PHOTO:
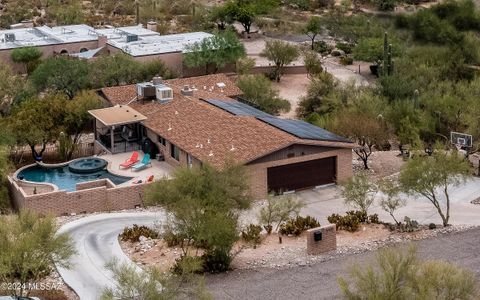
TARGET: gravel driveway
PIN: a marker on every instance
(319, 281)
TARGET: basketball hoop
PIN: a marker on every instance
(461, 140)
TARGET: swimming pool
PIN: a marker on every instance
(64, 178)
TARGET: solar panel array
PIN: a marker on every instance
(297, 128)
(238, 108)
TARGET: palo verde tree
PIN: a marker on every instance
(258, 90)
(204, 203)
(402, 275)
(390, 200)
(312, 28)
(29, 249)
(28, 56)
(434, 175)
(359, 191)
(152, 283)
(280, 53)
(278, 210)
(219, 50)
(10, 86)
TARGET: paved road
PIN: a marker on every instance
(96, 241)
(319, 281)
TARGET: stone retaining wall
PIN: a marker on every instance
(93, 196)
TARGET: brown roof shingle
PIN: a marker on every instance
(208, 133)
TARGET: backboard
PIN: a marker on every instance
(461, 139)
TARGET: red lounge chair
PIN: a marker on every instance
(150, 179)
(131, 161)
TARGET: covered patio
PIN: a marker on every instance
(118, 129)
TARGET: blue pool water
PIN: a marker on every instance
(64, 179)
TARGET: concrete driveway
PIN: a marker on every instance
(322, 202)
(96, 241)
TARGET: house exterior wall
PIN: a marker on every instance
(258, 171)
(51, 50)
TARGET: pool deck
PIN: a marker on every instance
(159, 169)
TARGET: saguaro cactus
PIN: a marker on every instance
(387, 63)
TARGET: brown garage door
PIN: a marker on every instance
(301, 175)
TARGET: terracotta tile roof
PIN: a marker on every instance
(209, 82)
(127, 93)
(208, 133)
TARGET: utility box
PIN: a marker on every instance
(321, 239)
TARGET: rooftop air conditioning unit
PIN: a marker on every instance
(145, 90)
(132, 38)
(164, 93)
(9, 37)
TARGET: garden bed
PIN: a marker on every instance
(292, 252)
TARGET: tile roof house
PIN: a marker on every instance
(202, 123)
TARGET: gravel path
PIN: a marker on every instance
(319, 281)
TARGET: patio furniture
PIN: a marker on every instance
(143, 164)
(131, 161)
(150, 178)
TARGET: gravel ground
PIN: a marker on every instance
(318, 280)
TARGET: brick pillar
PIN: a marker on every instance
(326, 239)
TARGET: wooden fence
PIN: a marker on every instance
(23, 155)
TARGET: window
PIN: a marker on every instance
(175, 152)
(161, 140)
(189, 161)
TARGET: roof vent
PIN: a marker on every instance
(9, 37)
(164, 93)
(132, 38)
(186, 91)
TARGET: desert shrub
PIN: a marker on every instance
(251, 234)
(134, 233)
(346, 60)
(374, 219)
(171, 238)
(386, 5)
(296, 226)
(409, 225)
(349, 222)
(185, 261)
(322, 47)
(216, 261)
(432, 226)
(360, 215)
(346, 47)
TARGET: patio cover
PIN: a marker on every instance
(117, 115)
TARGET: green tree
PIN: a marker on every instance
(221, 15)
(313, 64)
(401, 275)
(204, 203)
(29, 248)
(312, 28)
(258, 90)
(278, 210)
(390, 201)
(218, 50)
(10, 86)
(245, 65)
(28, 56)
(280, 53)
(77, 118)
(359, 191)
(62, 74)
(431, 176)
(314, 101)
(243, 11)
(37, 122)
(154, 284)
(5, 167)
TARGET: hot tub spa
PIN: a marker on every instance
(87, 165)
